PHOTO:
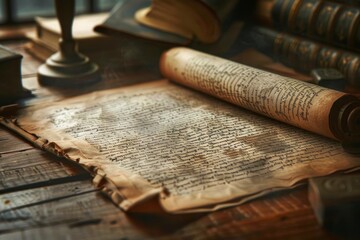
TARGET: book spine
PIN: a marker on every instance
(302, 54)
(326, 21)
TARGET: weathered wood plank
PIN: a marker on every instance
(90, 230)
(84, 207)
(279, 216)
(9, 142)
(33, 196)
(32, 168)
(242, 222)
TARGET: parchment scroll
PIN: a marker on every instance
(305, 105)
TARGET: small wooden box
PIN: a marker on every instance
(336, 202)
(11, 87)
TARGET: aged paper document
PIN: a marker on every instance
(191, 151)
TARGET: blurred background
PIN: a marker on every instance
(20, 11)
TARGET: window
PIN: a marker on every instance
(19, 11)
(2, 11)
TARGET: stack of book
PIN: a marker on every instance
(309, 34)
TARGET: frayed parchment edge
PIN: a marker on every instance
(100, 178)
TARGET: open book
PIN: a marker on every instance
(203, 20)
(193, 152)
(210, 25)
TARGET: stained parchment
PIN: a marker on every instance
(192, 151)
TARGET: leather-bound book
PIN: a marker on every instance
(334, 23)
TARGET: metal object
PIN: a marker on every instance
(329, 77)
(67, 68)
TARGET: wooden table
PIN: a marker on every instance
(44, 197)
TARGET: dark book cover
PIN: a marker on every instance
(332, 22)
